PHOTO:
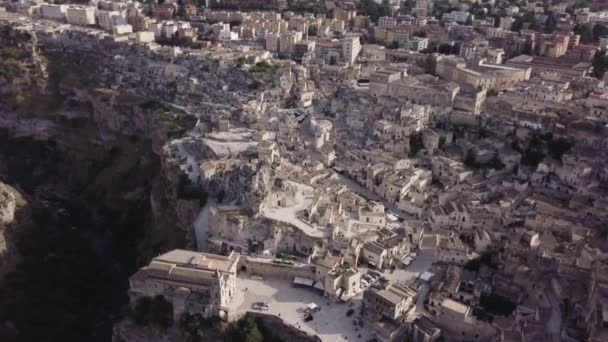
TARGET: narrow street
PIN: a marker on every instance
(554, 324)
(201, 225)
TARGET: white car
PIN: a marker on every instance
(260, 306)
(406, 261)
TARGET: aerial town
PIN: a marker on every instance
(403, 170)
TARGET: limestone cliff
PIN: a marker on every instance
(85, 130)
(7, 205)
(104, 198)
(10, 201)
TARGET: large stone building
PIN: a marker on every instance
(391, 303)
(565, 67)
(193, 282)
(81, 15)
(484, 76)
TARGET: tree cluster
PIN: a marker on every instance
(308, 6)
(244, 330)
(374, 9)
(156, 311)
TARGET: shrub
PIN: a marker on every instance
(416, 144)
(497, 305)
(193, 327)
(155, 311)
(190, 191)
(264, 67)
(244, 330)
(486, 258)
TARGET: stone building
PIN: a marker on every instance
(81, 15)
(193, 282)
(391, 303)
(484, 76)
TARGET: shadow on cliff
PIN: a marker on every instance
(79, 238)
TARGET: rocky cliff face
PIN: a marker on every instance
(7, 205)
(10, 201)
(86, 125)
(104, 197)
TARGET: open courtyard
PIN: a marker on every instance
(289, 303)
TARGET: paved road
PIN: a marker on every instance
(201, 225)
(423, 291)
(554, 324)
(422, 263)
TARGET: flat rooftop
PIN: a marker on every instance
(203, 261)
(455, 306)
(396, 293)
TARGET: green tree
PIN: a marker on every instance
(161, 312)
(550, 24)
(517, 25)
(600, 64)
(188, 190)
(429, 65)
(558, 147)
(446, 49)
(235, 22)
(599, 31)
(244, 330)
(586, 32)
(193, 327)
(140, 311)
(416, 144)
(312, 30)
(373, 9)
(155, 311)
(393, 45)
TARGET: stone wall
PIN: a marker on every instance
(267, 268)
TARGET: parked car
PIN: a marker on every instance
(260, 306)
(350, 312)
(308, 318)
(374, 274)
(312, 308)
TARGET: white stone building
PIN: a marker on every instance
(193, 282)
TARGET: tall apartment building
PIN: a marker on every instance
(422, 8)
(271, 41)
(387, 22)
(506, 23)
(53, 12)
(81, 15)
(553, 46)
(456, 16)
(301, 48)
(287, 40)
(351, 47)
(346, 15)
(108, 19)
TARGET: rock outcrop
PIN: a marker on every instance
(7, 205)
(84, 127)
